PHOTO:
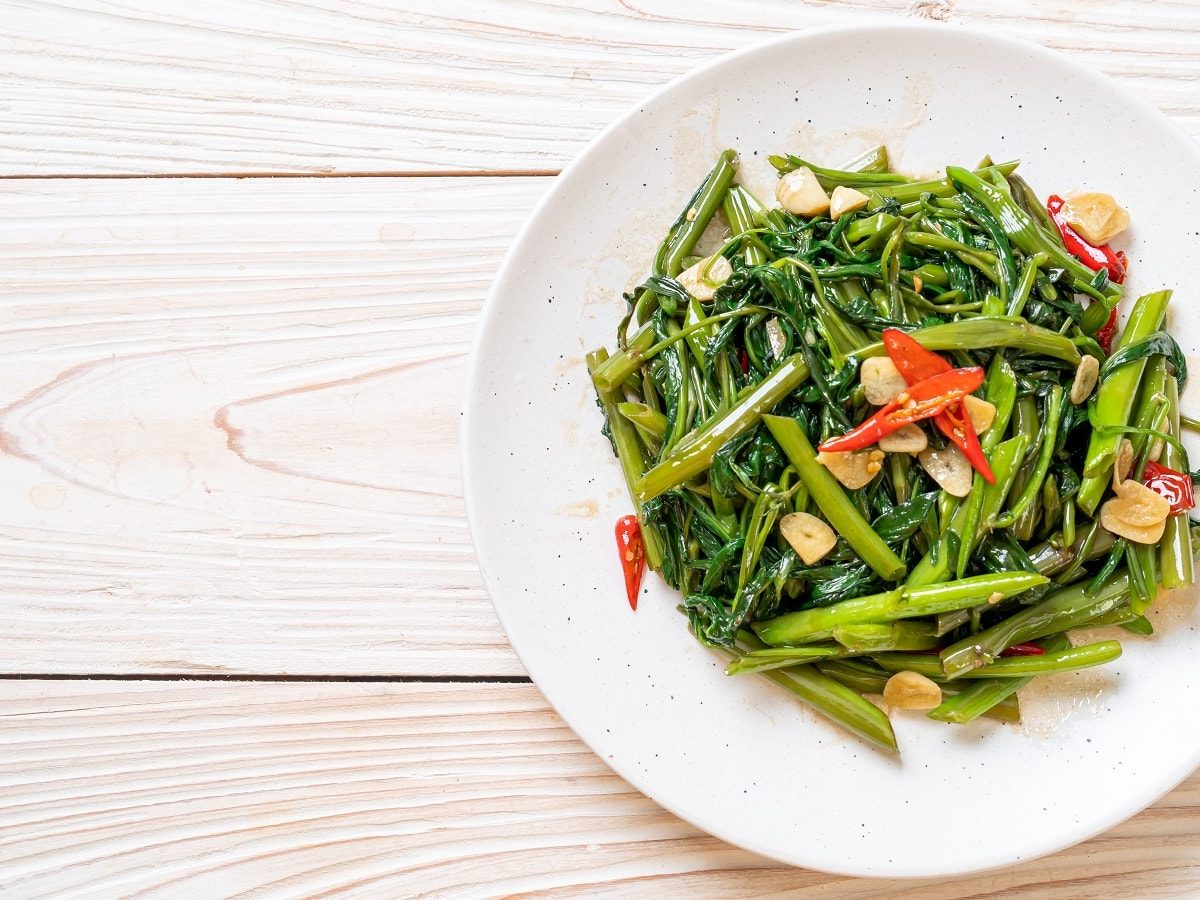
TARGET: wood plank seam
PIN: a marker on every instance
(268, 678)
(382, 173)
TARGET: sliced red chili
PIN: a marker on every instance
(1023, 650)
(1175, 487)
(1104, 337)
(633, 556)
(1093, 256)
(921, 401)
(915, 363)
(745, 360)
(955, 424)
(911, 358)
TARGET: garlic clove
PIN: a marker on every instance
(1140, 505)
(911, 690)
(881, 380)
(1096, 216)
(800, 193)
(811, 538)
(1122, 464)
(1087, 373)
(950, 469)
(982, 413)
(909, 439)
(853, 468)
(846, 200)
(703, 279)
(1140, 534)
(776, 338)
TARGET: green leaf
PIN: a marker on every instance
(1158, 343)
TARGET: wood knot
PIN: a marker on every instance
(937, 10)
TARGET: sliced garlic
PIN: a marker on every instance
(911, 690)
(801, 194)
(703, 279)
(853, 468)
(981, 413)
(1139, 534)
(909, 439)
(1137, 513)
(846, 200)
(881, 380)
(949, 468)
(1086, 375)
(776, 338)
(811, 538)
(1122, 464)
(1096, 216)
(1140, 505)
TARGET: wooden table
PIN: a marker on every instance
(245, 643)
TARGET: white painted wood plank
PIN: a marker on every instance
(205, 789)
(229, 412)
(356, 86)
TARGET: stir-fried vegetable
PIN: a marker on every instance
(879, 440)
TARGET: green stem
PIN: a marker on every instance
(1114, 400)
(819, 623)
(1049, 663)
(824, 489)
(629, 454)
(1176, 552)
(696, 453)
(1064, 609)
(981, 697)
(831, 699)
(1029, 275)
(1049, 436)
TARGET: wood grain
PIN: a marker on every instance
(229, 413)
(337, 86)
(202, 790)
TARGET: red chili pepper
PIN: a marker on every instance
(1175, 487)
(633, 556)
(921, 401)
(917, 363)
(955, 424)
(745, 363)
(1108, 331)
(1023, 650)
(1092, 256)
(911, 358)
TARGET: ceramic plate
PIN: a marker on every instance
(737, 757)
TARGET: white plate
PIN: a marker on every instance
(737, 757)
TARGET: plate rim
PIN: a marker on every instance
(872, 25)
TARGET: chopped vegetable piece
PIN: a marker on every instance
(1026, 649)
(1095, 216)
(633, 556)
(910, 690)
(846, 200)
(811, 538)
(949, 468)
(881, 380)
(1174, 487)
(702, 279)
(910, 439)
(980, 412)
(801, 194)
(1087, 373)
